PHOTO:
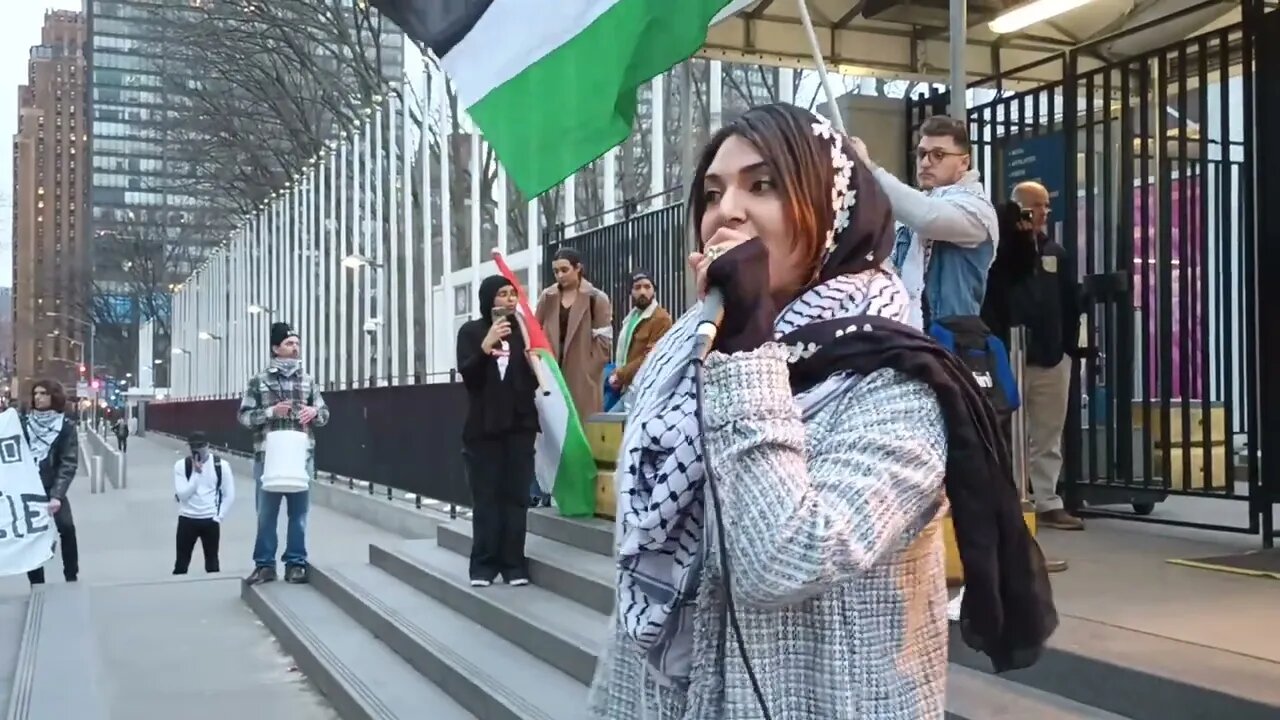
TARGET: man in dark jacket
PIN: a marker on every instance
(56, 448)
(1032, 285)
(498, 434)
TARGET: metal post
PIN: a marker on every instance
(833, 107)
(95, 475)
(1018, 429)
(959, 43)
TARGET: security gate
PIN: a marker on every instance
(1158, 213)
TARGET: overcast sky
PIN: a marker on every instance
(19, 31)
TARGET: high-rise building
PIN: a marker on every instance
(152, 220)
(50, 257)
(6, 340)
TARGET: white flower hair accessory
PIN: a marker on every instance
(843, 195)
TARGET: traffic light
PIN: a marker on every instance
(96, 384)
(82, 368)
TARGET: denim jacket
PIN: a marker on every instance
(957, 229)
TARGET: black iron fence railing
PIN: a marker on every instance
(653, 241)
(1150, 165)
(406, 437)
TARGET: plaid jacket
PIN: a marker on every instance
(270, 387)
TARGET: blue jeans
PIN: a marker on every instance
(268, 503)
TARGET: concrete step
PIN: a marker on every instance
(361, 677)
(1096, 666)
(488, 675)
(973, 695)
(13, 618)
(556, 630)
(580, 575)
(1142, 676)
(570, 636)
(57, 652)
(591, 534)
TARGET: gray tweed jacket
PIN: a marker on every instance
(834, 542)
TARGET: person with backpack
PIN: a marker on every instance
(122, 433)
(205, 490)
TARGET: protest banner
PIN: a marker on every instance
(26, 530)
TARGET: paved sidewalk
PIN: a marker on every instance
(186, 647)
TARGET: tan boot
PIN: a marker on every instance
(1059, 520)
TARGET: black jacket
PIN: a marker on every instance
(59, 468)
(496, 405)
(1033, 284)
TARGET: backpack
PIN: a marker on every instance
(217, 470)
(969, 339)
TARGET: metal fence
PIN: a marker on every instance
(654, 241)
(1156, 215)
(406, 437)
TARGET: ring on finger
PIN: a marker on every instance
(714, 252)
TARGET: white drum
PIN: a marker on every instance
(284, 465)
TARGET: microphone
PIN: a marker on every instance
(709, 319)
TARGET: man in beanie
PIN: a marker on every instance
(642, 328)
(282, 397)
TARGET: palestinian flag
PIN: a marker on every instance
(552, 83)
(562, 458)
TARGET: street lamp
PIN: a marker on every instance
(84, 323)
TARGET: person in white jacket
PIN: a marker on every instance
(205, 489)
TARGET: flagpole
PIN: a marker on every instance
(818, 60)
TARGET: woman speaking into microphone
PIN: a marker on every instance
(779, 543)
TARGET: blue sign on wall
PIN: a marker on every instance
(1039, 159)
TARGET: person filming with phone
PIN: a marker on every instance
(498, 433)
(1032, 285)
(205, 489)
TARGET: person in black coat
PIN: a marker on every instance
(56, 448)
(498, 434)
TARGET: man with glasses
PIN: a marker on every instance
(947, 229)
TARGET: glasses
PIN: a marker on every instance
(936, 155)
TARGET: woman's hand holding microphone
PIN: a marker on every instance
(738, 266)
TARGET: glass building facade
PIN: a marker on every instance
(151, 226)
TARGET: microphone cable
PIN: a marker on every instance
(731, 609)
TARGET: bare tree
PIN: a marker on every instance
(133, 284)
(260, 88)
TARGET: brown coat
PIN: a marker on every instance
(585, 353)
(646, 335)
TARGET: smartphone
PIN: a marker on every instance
(1027, 216)
(500, 313)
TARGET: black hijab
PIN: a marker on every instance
(507, 400)
(1007, 612)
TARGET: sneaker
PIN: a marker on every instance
(953, 607)
(480, 582)
(1059, 520)
(261, 575)
(515, 579)
(296, 574)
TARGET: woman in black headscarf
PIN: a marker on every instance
(781, 555)
(498, 434)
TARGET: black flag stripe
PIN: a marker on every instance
(437, 24)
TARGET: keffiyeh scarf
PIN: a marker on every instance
(43, 428)
(660, 478)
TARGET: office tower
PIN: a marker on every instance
(158, 208)
(50, 281)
